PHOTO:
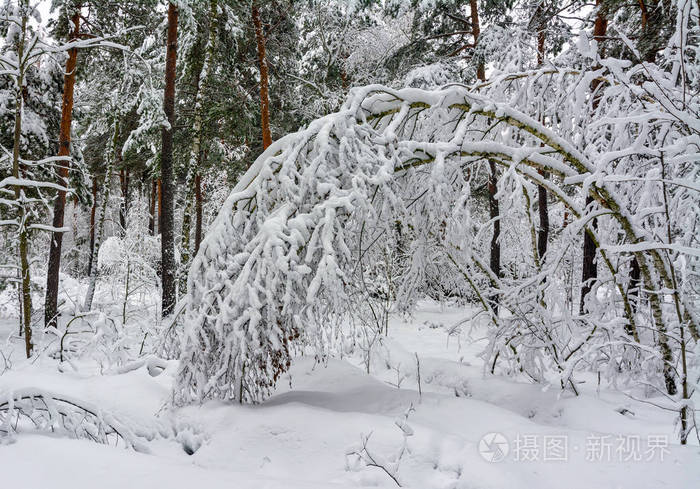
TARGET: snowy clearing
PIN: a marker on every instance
(304, 434)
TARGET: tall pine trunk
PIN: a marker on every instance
(264, 80)
(54, 266)
(168, 265)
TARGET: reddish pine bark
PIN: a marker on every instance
(52, 275)
(264, 80)
(645, 13)
(600, 28)
(476, 32)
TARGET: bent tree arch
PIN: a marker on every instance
(301, 238)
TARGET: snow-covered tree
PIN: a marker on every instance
(297, 240)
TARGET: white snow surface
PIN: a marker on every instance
(301, 437)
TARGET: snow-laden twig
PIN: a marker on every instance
(47, 411)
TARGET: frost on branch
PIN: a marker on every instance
(374, 202)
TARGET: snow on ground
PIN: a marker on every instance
(304, 436)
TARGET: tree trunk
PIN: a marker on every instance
(495, 258)
(26, 297)
(52, 275)
(124, 185)
(195, 161)
(645, 13)
(192, 168)
(262, 60)
(159, 186)
(198, 212)
(93, 210)
(152, 208)
(168, 265)
(635, 281)
(589, 271)
(476, 32)
(543, 231)
(600, 27)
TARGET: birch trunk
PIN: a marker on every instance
(23, 247)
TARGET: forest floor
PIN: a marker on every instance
(308, 433)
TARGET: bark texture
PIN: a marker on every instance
(264, 81)
(168, 265)
(54, 266)
(198, 212)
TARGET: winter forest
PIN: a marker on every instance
(435, 244)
